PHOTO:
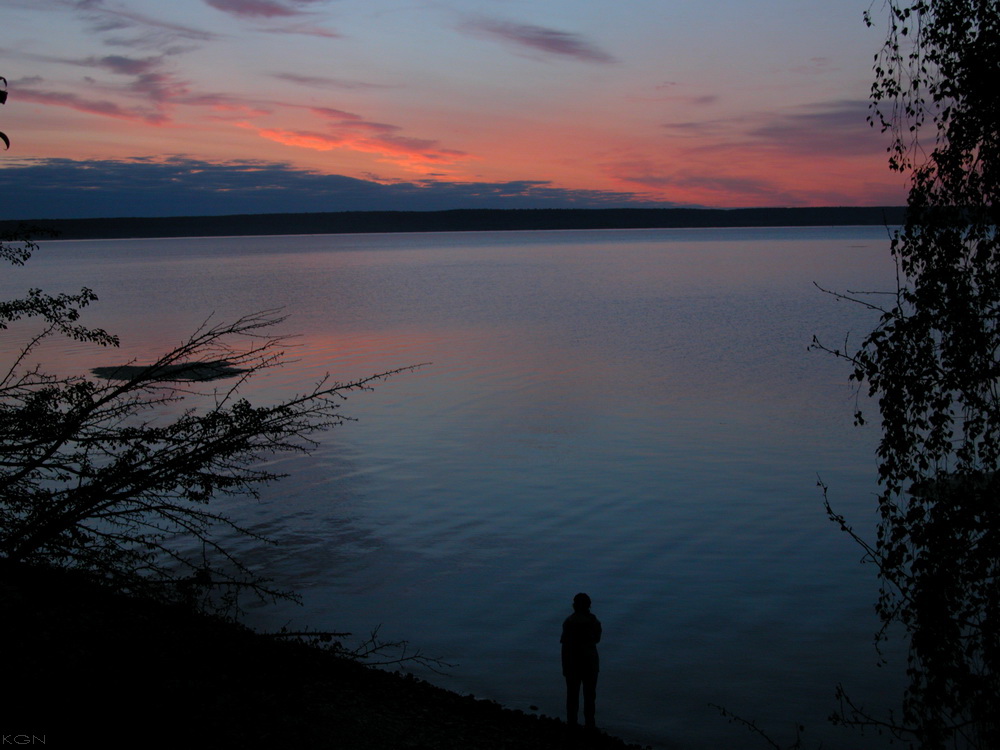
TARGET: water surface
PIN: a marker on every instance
(633, 414)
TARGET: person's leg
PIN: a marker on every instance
(589, 699)
(572, 699)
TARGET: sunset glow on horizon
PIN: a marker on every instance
(212, 106)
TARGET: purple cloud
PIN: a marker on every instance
(336, 114)
(159, 87)
(325, 82)
(715, 183)
(831, 128)
(699, 128)
(260, 8)
(835, 128)
(149, 80)
(252, 8)
(342, 119)
(91, 106)
(305, 30)
(124, 65)
(539, 38)
(153, 33)
(705, 100)
(813, 66)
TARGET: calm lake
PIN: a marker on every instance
(633, 414)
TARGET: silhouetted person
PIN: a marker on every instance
(581, 632)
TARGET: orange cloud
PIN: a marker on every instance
(416, 154)
(301, 139)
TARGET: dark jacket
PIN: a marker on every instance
(581, 632)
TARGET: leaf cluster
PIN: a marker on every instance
(3, 100)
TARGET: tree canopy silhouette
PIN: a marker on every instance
(931, 365)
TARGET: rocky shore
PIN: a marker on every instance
(85, 665)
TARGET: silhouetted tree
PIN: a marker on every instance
(111, 475)
(932, 364)
(95, 473)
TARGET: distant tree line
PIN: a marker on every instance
(464, 220)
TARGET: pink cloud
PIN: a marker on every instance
(91, 106)
(703, 186)
(821, 154)
(224, 103)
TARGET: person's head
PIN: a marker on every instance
(581, 603)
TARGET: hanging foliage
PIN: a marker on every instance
(931, 365)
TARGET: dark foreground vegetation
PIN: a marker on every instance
(85, 665)
(467, 220)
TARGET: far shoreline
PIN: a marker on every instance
(457, 220)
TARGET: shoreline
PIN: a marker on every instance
(459, 220)
(91, 663)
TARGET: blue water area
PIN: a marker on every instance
(633, 414)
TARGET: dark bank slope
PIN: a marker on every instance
(85, 666)
(465, 220)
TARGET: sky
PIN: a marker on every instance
(156, 108)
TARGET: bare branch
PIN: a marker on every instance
(86, 477)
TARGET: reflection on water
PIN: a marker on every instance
(629, 413)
